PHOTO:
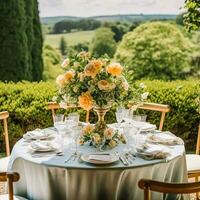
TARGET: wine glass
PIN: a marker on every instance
(119, 118)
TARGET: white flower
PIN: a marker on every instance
(125, 85)
(54, 98)
(142, 85)
(144, 95)
(65, 63)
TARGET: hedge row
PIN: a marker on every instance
(27, 104)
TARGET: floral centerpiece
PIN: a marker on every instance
(95, 83)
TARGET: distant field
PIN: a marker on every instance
(71, 38)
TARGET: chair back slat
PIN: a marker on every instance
(157, 107)
(198, 142)
(53, 106)
(175, 188)
(4, 116)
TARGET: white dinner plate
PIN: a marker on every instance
(112, 159)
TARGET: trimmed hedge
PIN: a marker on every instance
(27, 104)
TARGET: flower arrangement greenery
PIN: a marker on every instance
(96, 83)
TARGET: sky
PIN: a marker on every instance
(86, 8)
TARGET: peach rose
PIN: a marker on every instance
(115, 69)
(91, 70)
(60, 80)
(105, 85)
(108, 133)
(88, 129)
(97, 63)
(125, 85)
(85, 101)
(69, 75)
(84, 54)
(65, 63)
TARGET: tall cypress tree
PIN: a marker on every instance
(37, 62)
(13, 41)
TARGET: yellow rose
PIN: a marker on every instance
(85, 101)
(60, 81)
(108, 133)
(88, 129)
(105, 85)
(115, 69)
(69, 75)
(112, 143)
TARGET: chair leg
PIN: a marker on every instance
(197, 194)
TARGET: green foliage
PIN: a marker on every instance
(69, 25)
(14, 56)
(26, 103)
(37, 62)
(21, 41)
(103, 43)
(192, 15)
(179, 19)
(63, 46)
(52, 60)
(118, 28)
(155, 50)
(183, 117)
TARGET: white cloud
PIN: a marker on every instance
(108, 7)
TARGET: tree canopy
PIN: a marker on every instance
(103, 42)
(192, 15)
(155, 50)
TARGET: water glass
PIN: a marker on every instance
(74, 117)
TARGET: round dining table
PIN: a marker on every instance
(49, 177)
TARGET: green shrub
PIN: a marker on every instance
(155, 50)
(27, 104)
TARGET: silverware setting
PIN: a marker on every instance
(47, 154)
(126, 158)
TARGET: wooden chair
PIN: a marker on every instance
(4, 161)
(175, 188)
(4, 116)
(193, 161)
(10, 178)
(156, 107)
(53, 106)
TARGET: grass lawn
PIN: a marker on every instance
(71, 38)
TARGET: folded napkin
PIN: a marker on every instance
(104, 158)
(142, 126)
(150, 152)
(39, 134)
(165, 138)
(43, 146)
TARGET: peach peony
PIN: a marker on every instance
(115, 69)
(105, 85)
(85, 101)
(69, 75)
(60, 80)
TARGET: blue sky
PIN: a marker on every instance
(108, 7)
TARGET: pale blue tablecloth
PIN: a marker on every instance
(49, 178)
